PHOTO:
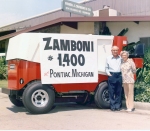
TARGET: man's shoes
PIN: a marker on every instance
(112, 109)
(118, 109)
(115, 109)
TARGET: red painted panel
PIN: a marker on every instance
(118, 41)
(138, 62)
(12, 74)
(26, 70)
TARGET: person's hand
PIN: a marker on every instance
(109, 75)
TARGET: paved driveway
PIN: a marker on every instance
(70, 116)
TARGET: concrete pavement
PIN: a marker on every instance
(71, 116)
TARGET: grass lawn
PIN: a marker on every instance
(3, 83)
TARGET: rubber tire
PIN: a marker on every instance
(15, 101)
(100, 103)
(28, 102)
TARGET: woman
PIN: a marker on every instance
(128, 70)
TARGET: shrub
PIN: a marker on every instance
(142, 92)
(3, 69)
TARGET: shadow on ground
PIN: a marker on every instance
(58, 107)
(16, 109)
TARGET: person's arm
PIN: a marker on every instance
(107, 68)
(133, 66)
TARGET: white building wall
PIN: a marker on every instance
(135, 30)
(83, 28)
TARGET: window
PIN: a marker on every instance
(145, 41)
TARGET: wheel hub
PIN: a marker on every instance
(105, 96)
(40, 98)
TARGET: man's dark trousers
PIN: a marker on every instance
(115, 90)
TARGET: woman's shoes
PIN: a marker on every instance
(130, 110)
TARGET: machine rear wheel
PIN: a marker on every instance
(38, 98)
(102, 96)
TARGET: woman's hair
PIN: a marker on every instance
(124, 52)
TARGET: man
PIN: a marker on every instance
(113, 64)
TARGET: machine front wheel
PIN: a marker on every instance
(38, 98)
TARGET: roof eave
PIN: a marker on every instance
(81, 19)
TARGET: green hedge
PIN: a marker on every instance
(3, 69)
(142, 85)
(142, 92)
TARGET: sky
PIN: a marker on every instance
(15, 10)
